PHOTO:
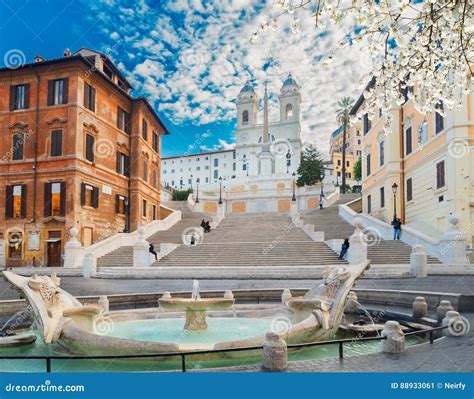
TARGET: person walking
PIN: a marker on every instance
(321, 202)
(151, 249)
(397, 228)
(344, 247)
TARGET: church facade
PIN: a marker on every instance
(262, 148)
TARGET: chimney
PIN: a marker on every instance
(38, 58)
(67, 52)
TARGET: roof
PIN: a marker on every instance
(248, 88)
(289, 81)
(196, 154)
(337, 132)
(361, 98)
(152, 111)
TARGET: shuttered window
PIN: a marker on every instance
(56, 143)
(19, 97)
(90, 141)
(367, 164)
(409, 189)
(144, 129)
(55, 199)
(440, 175)
(145, 171)
(89, 97)
(382, 197)
(89, 195)
(15, 201)
(123, 120)
(409, 141)
(123, 164)
(366, 124)
(155, 141)
(58, 91)
(144, 208)
(369, 204)
(120, 204)
(17, 146)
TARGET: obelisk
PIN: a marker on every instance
(265, 157)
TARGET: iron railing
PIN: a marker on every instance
(182, 355)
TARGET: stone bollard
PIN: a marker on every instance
(73, 250)
(418, 261)
(357, 252)
(420, 307)
(286, 296)
(453, 244)
(457, 325)
(103, 302)
(395, 342)
(141, 253)
(442, 309)
(351, 302)
(275, 353)
(228, 294)
(90, 265)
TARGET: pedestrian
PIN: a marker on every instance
(397, 228)
(321, 203)
(344, 247)
(151, 249)
(193, 240)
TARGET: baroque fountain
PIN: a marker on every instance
(183, 324)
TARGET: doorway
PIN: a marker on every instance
(54, 248)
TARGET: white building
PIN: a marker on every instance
(270, 149)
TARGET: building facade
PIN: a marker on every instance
(353, 150)
(244, 161)
(78, 151)
(430, 160)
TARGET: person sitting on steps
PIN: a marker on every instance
(207, 227)
(193, 240)
(151, 249)
(344, 248)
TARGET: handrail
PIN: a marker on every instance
(182, 355)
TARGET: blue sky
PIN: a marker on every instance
(191, 57)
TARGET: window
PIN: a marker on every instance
(206, 167)
(123, 120)
(382, 197)
(144, 208)
(89, 195)
(89, 97)
(154, 181)
(58, 91)
(369, 204)
(56, 143)
(216, 162)
(409, 189)
(408, 141)
(154, 212)
(366, 123)
(234, 167)
(145, 130)
(15, 206)
(120, 204)
(90, 142)
(216, 174)
(155, 142)
(234, 155)
(440, 175)
(289, 111)
(17, 146)
(422, 134)
(380, 112)
(338, 162)
(55, 199)
(382, 153)
(245, 117)
(439, 120)
(207, 179)
(145, 171)
(19, 97)
(198, 168)
(367, 164)
(123, 164)
(348, 163)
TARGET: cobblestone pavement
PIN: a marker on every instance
(79, 286)
(449, 354)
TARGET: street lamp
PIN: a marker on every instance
(197, 190)
(288, 160)
(394, 190)
(294, 194)
(220, 190)
(191, 182)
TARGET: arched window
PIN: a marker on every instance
(245, 117)
(289, 111)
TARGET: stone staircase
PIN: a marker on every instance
(123, 256)
(379, 252)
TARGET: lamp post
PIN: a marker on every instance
(288, 161)
(220, 190)
(197, 190)
(322, 180)
(293, 198)
(394, 190)
(337, 176)
(191, 182)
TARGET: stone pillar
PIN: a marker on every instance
(351, 302)
(90, 265)
(357, 252)
(228, 294)
(294, 208)
(2, 254)
(103, 302)
(73, 250)
(420, 307)
(453, 244)
(286, 296)
(442, 309)
(141, 254)
(418, 261)
(275, 353)
(457, 325)
(395, 342)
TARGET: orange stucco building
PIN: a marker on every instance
(77, 150)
